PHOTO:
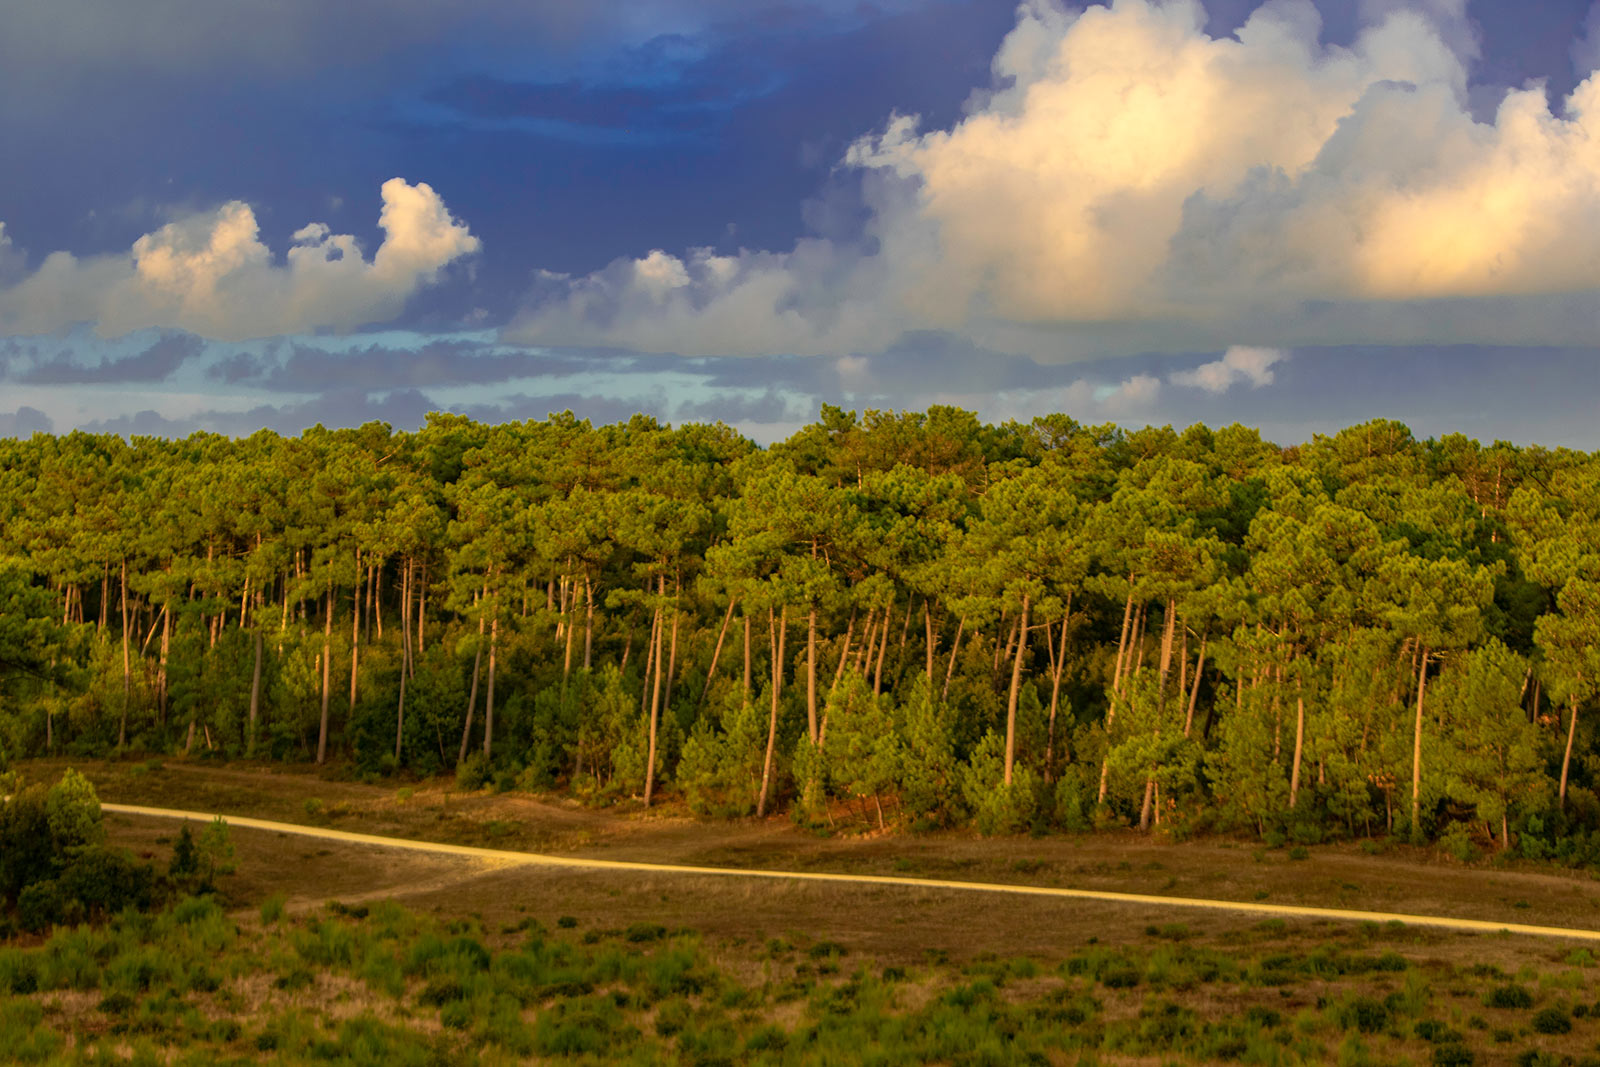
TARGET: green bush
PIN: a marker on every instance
(39, 905)
(1509, 996)
(472, 773)
(1552, 1020)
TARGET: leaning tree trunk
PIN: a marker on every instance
(1016, 685)
(716, 653)
(355, 636)
(1416, 750)
(779, 635)
(655, 696)
(1299, 748)
(1566, 758)
(488, 707)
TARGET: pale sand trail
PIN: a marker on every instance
(502, 858)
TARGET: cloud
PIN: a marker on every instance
(311, 369)
(210, 274)
(1586, 49)
(25, 422)
(1130, 183)
(155, 363)
(1240, 363)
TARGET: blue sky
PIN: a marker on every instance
(280, 212)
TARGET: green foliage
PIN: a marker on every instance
(1399, 636)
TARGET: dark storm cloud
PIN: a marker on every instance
(309, 369)
(156, 363)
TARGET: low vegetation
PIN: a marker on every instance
(375, 984)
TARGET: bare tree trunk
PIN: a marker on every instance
(1416, 750)
(716, 653)
(1168, 629)
(883, 646)
(1058, 666)
(1299, 748)
(161, 669)
(1122, 640)
(955, 648)
(655, 697)
(405, 655)
(844, 658)
(127, 666)
(1194, 694)
(672, 651)
(931, 635)
(588, 621)
(255, 692)
(811, 675)
(488, 708)
(472, 694)
(422, 610)
(748, 678)
(327, 660)
(355, 635)
(1566, 757)
(778, 636)
(1016, 685)
(566, 659)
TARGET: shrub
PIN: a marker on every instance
(272, 908)
(472, 773)
(106, 880)
(39, 905)
(1552, 1021)
(1509, 996)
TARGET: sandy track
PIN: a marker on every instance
(503, 858)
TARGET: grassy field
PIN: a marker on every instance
(322, 952)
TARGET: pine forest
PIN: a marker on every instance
(891, 620)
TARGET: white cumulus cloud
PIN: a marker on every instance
(1240, 363)
(1130, 183)
(211, 274)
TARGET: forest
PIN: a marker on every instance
(910, 620)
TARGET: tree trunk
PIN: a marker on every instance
(588, 622)
(1122, 640)
(355, 635)
(778, 634)
(672, 650)
(255, 692)
(1416, 750)
(716, 653)
(1299, 748)
(127, 666)
(655, 698)
(844, 658)
(405, 655)
(1168, 630)
(327, 660)
(1194, 694)
(472, 694)
(1058, 666)
(566, 659)
(931, 634)
(1566, 757)
(811, 675)
(161, 669)
(422, 611)
(1148, 806)
(748, 678)
(955, 647)
(488, 707)
(1016, 685)
(883, 646)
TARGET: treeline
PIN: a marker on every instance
(894, 618)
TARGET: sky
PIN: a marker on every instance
(1294, 215)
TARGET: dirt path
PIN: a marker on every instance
(504, 858)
